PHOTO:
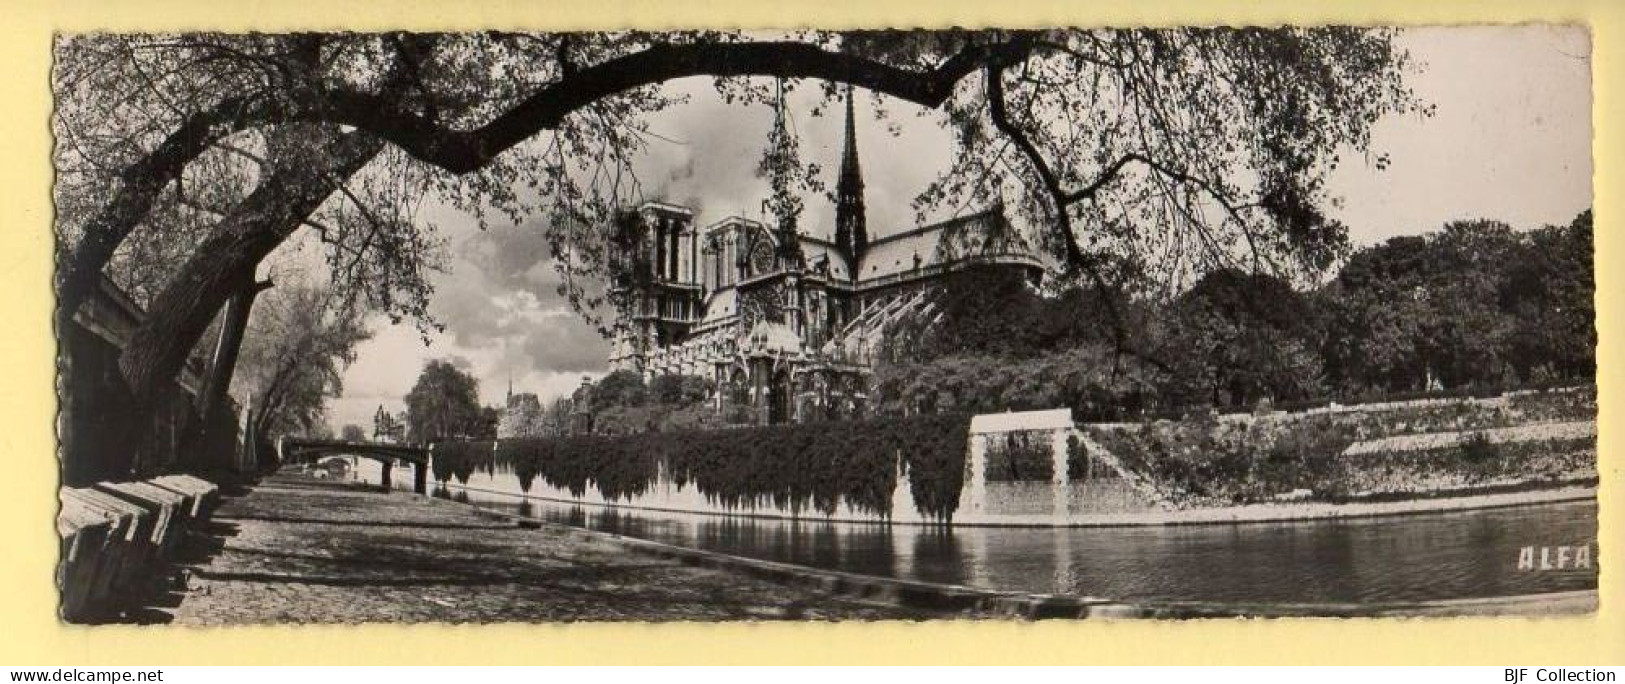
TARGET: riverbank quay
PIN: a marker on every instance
(298, 549)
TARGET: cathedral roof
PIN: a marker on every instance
(819, 251)
(941, 246)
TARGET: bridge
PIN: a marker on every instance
(303, 450)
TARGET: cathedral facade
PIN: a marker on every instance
(785, 324)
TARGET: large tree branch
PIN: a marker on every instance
(463, 151)
(1105, 177)
(999, 112)
(138, 187)
(1063, 198)
(255, 227)
(391, 118)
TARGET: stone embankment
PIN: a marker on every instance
(1535, 432)
(117, 536)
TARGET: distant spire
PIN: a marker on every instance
(851, 230)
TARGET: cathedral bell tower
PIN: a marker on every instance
(851, 230)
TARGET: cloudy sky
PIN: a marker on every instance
(1510, 141)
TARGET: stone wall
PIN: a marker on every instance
(95, 405)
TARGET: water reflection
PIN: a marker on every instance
(1455, 555)
(1409, 558)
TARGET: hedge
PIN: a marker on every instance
(459, 460)
(803, 467)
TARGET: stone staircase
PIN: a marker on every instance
(1144, 487)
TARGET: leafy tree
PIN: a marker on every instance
(1075, 125)
(485, 427)
(1431, 310)
(1549, 295)
(1466, 330)
(352, 433)
(298, 344)
(622, 388)
(444, 405)
(1374, 317)
(679, 390)
(1240, 337)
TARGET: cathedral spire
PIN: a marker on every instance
(851, 231)
(781, 164)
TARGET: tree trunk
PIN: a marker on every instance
(179, 316)
(221, 370)
(138, 189)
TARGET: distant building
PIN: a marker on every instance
(521, 415)
(387, 427)
(786, 324)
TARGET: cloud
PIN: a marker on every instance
(502, 295)
(504, 320)
(708, 158)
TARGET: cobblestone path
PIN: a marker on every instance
(302, 550)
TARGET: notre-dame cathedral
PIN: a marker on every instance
(786, 324)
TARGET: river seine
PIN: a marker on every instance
(1422, 557)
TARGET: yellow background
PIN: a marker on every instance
(30, 633)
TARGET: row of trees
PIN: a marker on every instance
(444, 406)
(816, 466)
(214, 150)
(621, 402)
(1475, 305)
